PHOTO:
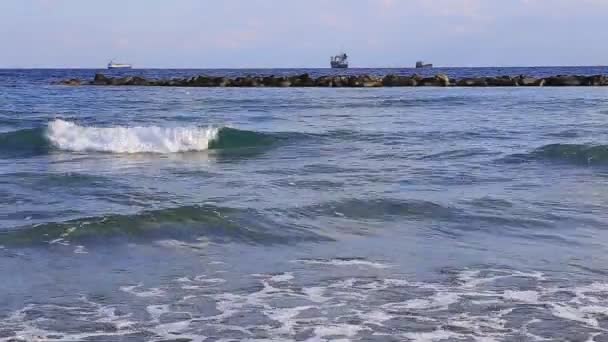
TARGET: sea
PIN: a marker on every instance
(302, 214)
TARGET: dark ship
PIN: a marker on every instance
(421, 64)
(339, 61)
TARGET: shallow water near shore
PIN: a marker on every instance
(153, 214)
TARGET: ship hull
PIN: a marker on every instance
(339, 66)
(119, 67)
(421, 65)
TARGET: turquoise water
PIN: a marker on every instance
(151, 214)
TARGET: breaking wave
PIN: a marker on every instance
(69, 136)
(152, 139)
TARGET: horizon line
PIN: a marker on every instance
(303, 68)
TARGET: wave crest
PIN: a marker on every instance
(575, 153)
(66, 135)
(185, 223)
(69, 136)
(25, 142)
(580, 154)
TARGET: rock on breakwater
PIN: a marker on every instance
(352, 81)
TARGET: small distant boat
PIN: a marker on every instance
(113, 65)
(421, 64)
(339, 61)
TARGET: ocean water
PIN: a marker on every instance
(391, 214)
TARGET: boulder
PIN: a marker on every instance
(221, 82)
(409, 81)
(303, 80)
(256, 82)
(504, 81)
(565, 81)
(101, 79)
(472, 82)
(428, 82)
(354, 82)
(247, 81)
(391, 80)
(201, 81)
(163, 83)
(440, 80)
(284, 82)
(417, 78)
(443, 80)
(398, 81)
(526, 81)
(133, 81)
(324, 81)
(270, 81)
(125, 81)
(340, 81)
(596, 81)
(465, 82)
(71, 82)
(175, 82)
(236, 82)
(364, 81)
(139, 81)
(119, 81)
(372, 82)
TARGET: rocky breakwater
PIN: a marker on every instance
(352, 81)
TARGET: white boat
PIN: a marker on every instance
(113, 65)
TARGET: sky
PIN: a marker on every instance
(301, 33)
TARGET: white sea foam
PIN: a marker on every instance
(437, 335)
(183, 245)
(344, 262)
(572, 313)
(283, 277)
(315, 294)
(348, 330)
(203, 279)
(155, 311)
(59, 241)
(376, 317)
(436, 302)
(530, 297)
(69, 136)
(138, 291)
(286, 317)
(80, 250)
(348, 309)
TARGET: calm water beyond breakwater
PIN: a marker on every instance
(310, 214)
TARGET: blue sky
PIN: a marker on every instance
(302, 33)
